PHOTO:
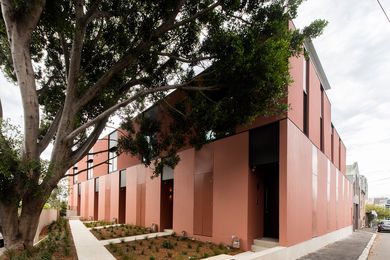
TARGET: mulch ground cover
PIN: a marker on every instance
(168, 247)
(119, 231)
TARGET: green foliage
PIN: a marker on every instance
(382, 212)
(250, 74)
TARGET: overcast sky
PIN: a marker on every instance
(355, 53)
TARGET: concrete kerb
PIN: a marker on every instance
(133, 238)
(367, 249)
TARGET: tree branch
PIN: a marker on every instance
(168, 27)
(124, 103)
(91, 140)
(191, 61)
(66, 53)
(51, 132)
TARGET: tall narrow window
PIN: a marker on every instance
(340, 142)
(90, 165)
(332, 144)
(112, 156)
(322, 121)
(122, 178)
(305, 113)
(75, 177)
(305, 97)
(97, 184)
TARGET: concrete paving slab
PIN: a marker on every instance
(87, 246)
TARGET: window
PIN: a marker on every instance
(322, 120)
(305, 114)
(122, 179)
(112, 156)
(97, 184)
(75, 177)
(305, 96)
(90, 165)
(332, 144)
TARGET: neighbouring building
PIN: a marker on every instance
(360, 189)
(282, 178)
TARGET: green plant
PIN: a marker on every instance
(152, 258)
(167, 244)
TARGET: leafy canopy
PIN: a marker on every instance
(235, 52)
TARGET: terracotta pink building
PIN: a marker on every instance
(281, 178)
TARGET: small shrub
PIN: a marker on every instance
(189, 246)
(205, 255)
(169, 254)
(152, 258)
(166, 244)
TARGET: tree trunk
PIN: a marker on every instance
(19, 231)
(10, 226)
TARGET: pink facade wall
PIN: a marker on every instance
(131, 195)
(296, 187)
(183, 196)
(104, 197)
(152, 199)
(336, 149)
(84, 199)
(314, 93)
(91, 197)
(301, 215)
(327, 127)
(231, 172)
(114, 197)
(295, 91)
(102, 169)
(343, 158)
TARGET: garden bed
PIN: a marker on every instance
(168, 247)
(100, 223)
(119, 231)
(58, 245)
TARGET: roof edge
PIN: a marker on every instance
(317, 64)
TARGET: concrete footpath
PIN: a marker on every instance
(87, 246)
(356, 246)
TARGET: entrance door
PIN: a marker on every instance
(122, 197)
(271, 200)
(166, 211)
(96, 206)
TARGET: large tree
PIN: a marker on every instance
(77, 62)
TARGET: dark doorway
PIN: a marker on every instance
(356, 216)
(96, 200)
(264, 163)
(122, 197)
(78, 199)
(271, 200)
(166, 209)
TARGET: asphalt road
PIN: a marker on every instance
(381, 248)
